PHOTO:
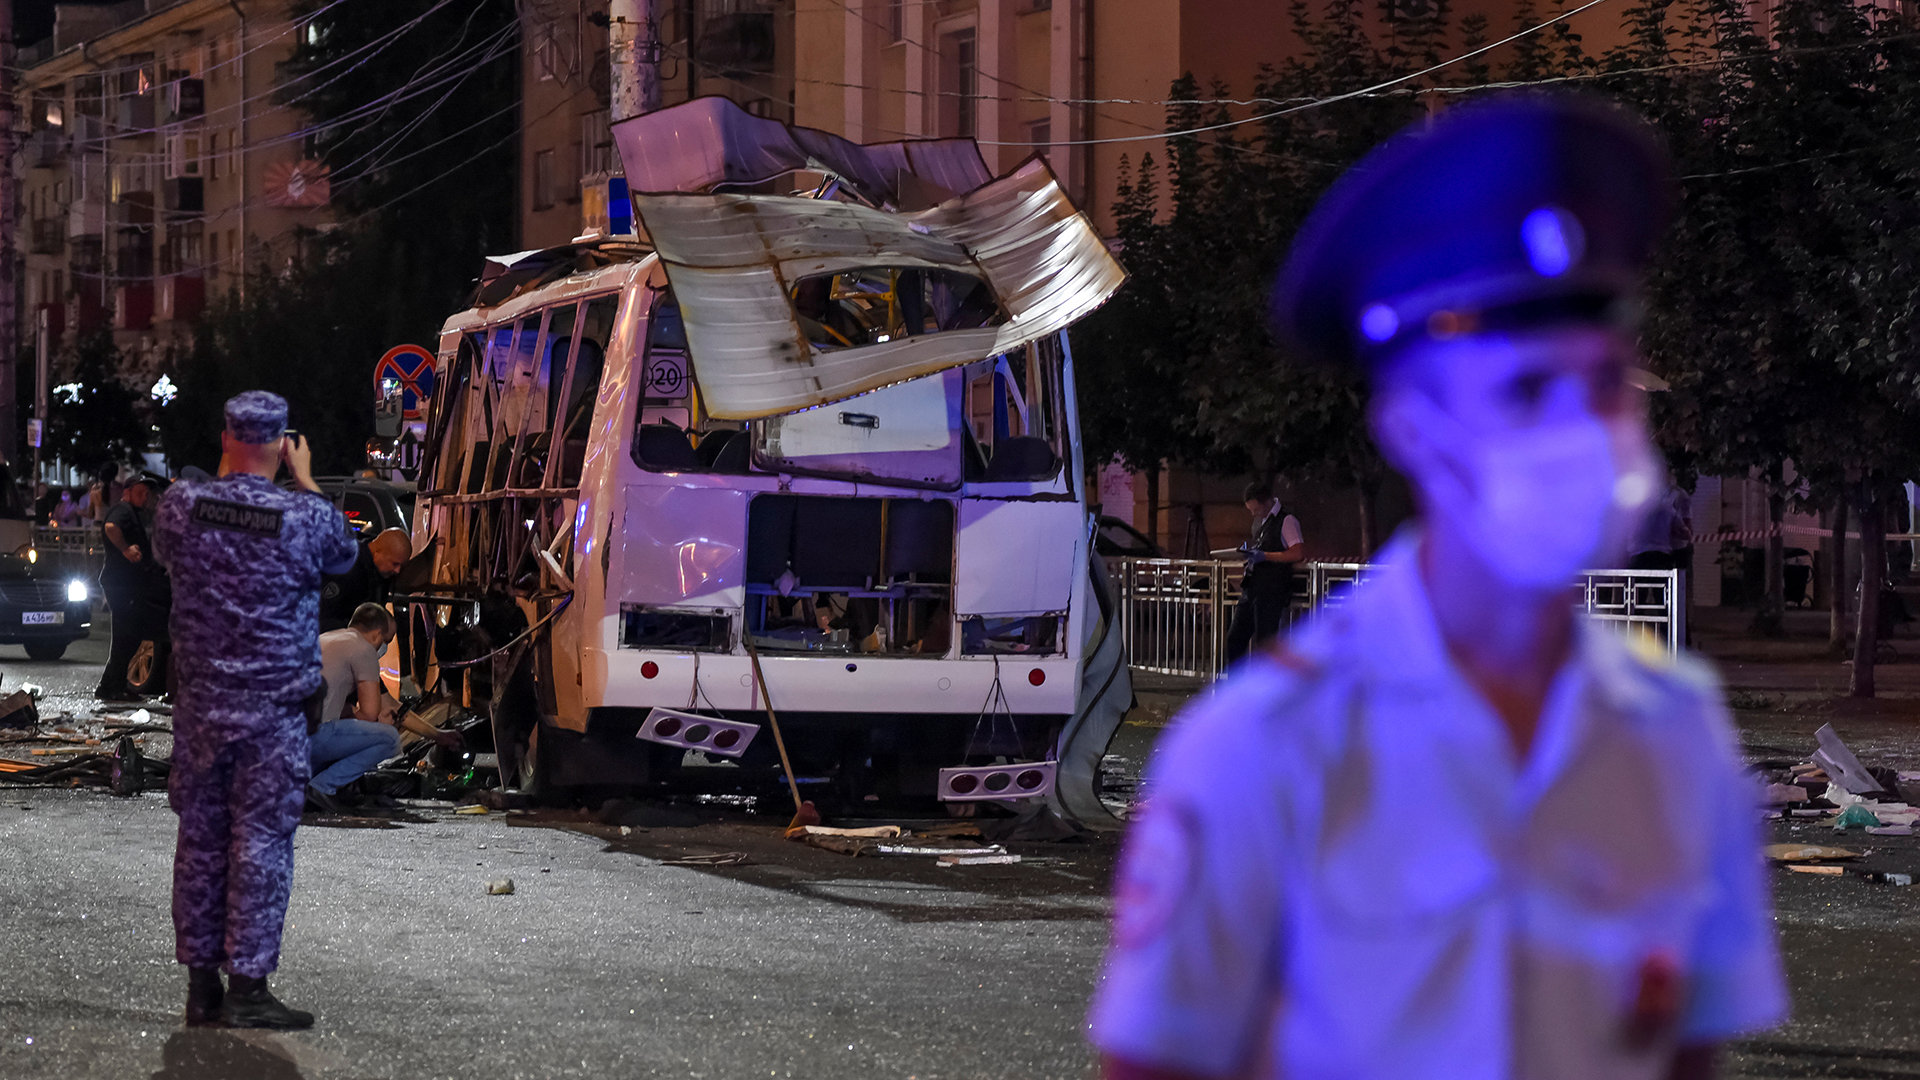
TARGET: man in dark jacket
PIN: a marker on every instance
(366, 583)
(124, 580)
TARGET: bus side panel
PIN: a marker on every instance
(607, 444)
(1016, 557)
(681, 545)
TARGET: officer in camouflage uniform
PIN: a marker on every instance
(246, 557)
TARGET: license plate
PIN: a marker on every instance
(43, 618)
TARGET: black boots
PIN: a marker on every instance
(250, 1004)
(204, 995)
(247, 1004)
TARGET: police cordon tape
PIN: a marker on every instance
(1803, 530)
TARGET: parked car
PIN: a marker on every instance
(370, 504)
(1114, 538)
(40, 607)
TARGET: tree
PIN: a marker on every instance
(1781, 308)
(97, 420)
(421, 142)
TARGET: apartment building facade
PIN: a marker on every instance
(156, 168)
(741, 49)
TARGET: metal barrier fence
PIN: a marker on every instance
(1174, 613)
(79, 550)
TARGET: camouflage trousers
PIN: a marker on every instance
(239, 801)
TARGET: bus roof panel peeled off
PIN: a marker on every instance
(813, 455)
(738, 263)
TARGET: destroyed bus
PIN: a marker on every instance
(811, 460)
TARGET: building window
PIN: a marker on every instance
(546, 55)
(183, 155)
(596, 144)
(960, 83)
(544, 180)
(1040, 136)
(897, 20)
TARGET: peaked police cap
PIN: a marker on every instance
(1519, 213)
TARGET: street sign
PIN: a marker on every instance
(666, 376)
(412, 367)
(33, 433)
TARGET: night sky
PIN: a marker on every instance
(32, 20)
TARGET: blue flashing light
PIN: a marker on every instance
(619, 207)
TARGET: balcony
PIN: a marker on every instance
(736, 36)
(47, 236)
(183, 194)
(133, 306)
(180, 297)
(133, 114)
(135, 208)
(185, 99)
(56, 316)
(87, 217)
(45, 148)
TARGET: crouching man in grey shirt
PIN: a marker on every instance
(360, 731)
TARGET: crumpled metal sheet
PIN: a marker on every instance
(696, 145)
(732, 258)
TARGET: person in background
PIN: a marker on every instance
(366, 583)
(1266, 589)
(358, 729)
(123, 579)
(66, 512)
(246, 557)
(1452, 829)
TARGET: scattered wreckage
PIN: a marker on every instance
(1833, 789)
(803, 462)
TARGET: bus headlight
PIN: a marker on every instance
(76, 592)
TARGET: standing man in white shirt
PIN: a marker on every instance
(1266, 589)
(1451, 829)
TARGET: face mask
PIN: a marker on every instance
(1544, 503)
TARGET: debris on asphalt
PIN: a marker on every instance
(127, 775)
(502, 887)
(18, 711)
(479, 810)
(1841, 764)
(911, 849)
(1810, 868)
(1795, 853)
(724, 858)
(1883, 878)
(969, 859)
(871, 831)
(1856, 816)
(1781, 794)
(1891, 830)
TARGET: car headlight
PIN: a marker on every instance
(76, 592)
(33, 555)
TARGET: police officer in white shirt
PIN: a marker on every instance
(1450, 828)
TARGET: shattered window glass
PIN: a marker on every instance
(875, 305)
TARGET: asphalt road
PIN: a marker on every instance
(606, 962)
(602, 963)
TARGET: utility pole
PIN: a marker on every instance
(633, 48)
(9, 249)
(42, 376)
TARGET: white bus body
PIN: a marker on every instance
(908, 550)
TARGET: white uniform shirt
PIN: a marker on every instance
(1342, 873)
